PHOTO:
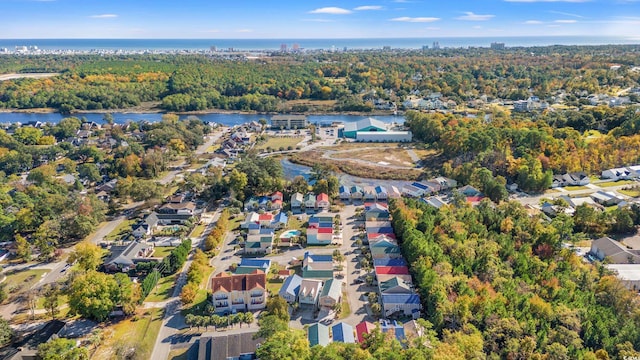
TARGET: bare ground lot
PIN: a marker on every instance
(390, 156)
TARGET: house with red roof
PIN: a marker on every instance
(243, 292)
(265, 219)
(362, 329)
(392, 270)
(322, 201)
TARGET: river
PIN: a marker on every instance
(224, 119)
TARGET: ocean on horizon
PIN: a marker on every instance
(309, 44)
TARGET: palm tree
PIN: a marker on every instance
(248, 318)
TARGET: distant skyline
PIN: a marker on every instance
(294, 19)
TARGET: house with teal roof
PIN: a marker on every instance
(318, 334)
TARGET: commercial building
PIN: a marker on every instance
(386, 136)
(289, 122)
(351, 129)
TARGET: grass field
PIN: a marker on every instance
(122, 229)
(138, 332)
(163, 291)
(391, 155)
(574, 188)
(198, 230)
(277, 142)
(20, 281)
(630, 192)
(346, 309)
(162, 251)
(616, 183)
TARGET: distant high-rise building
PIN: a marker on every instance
(213, 49)
(283, 47)
(497, 46)
(344, 49)
(425, 47)
(295, 47)
(436, 45)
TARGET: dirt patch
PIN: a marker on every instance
(383, 156)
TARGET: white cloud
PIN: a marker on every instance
(565, 21)
(477, 27)
(469, 16)
(433, 28)
(415, 19)
(532, 22)
(244, 30)
(331, 10)
(368, 7)
(104, 16)
(212, 31)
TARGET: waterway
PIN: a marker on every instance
(224, 119)
(292, 170)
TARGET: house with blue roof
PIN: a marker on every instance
(262, 242)
(345, 193)
(280, 221)
(317, 266)
(262, 264)
(377, 212)
(318, 334)
(254, 228)
(397, 329)
(389, 262)
(407, 304)
(343, 333)
(290, 288)
(381, 193)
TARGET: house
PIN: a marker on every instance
(394, 193)
(331, 293)
(248, 266)
(243, 292)
(377, 213)
(356, 192)
(216, 346)
(606, 198)
(310, 201)
(317, 266)
(412, 190)
(574, 202)
(384, 248)
(141, 230)
(445, 183)
(469, 190)
(362, 329)
(343, 332)
(297, 200)
(395, 285)
(318, 334)
(392, 327)
(407, 304)
(124, 257)
(345, 193)
(389, 262)
(309, 292)
(261, 243)
(553, 210)
(290, 288)
(319, 236)
(254, 228)
(570, 179)
(265, 220)
(614, 251)
(369, 193)
(322, 201)
(617, 174)
(183, 208)
(435, 201)
(628, 274)
(392, 270)
(373, 238)
(381, 193)
(252, 218)
(280, 221)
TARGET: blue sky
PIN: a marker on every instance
(253, 19)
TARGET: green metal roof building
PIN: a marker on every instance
(369, 124)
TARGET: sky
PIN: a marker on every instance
(302, 19)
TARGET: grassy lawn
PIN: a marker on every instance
(593, 178)
(236, 222)
(119, 231)
(22, 280)
(574, 188)
(213, 148)
(198, 230)
(170, 191)
(630, 192)
(610, 208)
(615, 183)
(346, 309)
(391, 155)
(138, 332)
(62, 300)
(162, 251)
(276, 142)
(179, 354)
(163, 290)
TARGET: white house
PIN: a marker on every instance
(309, 292)
(297, 200)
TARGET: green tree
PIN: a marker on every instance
(6, 332)
(87, 255)
(93, 295)
(279, 307)
(89, 171)
(66, 128)
(285, 345)
(51, 295)
(61, 349)
(28, 135)
(238, 182)
(23, 248)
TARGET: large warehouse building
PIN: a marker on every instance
(370, 125)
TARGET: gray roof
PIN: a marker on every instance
(364, 123)
(291, 285)
(213, 346)
(124, 255)
(332, 288)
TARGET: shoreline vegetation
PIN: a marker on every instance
(310, 158)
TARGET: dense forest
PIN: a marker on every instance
(186, 83)
(529, 151)
(497, 282)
